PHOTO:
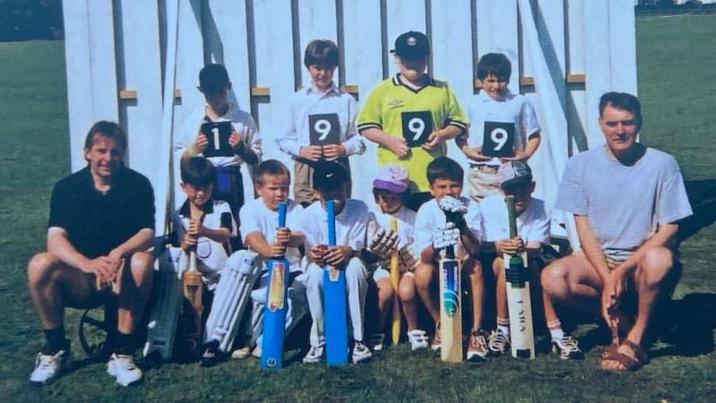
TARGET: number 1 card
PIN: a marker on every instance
(217, 133)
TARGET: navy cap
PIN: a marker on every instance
(329, 175)
(213, 79)
(412, 45)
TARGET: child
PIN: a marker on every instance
(433, 232)
(390, 189)
(411, 115)
(244, 139)
(331, 182)
(515, 178)
(503, 127)
(321, 121)
(259, 227)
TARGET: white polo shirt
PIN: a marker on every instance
(430, 218)
(532, 224)
(406, 221)
(351, 224)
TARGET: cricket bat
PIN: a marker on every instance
(450, 307)
(275, 309)
(394, 280)
(334, 302)
(519, 304)
(192, 289)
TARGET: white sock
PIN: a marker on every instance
(557, 334)
(504, 329)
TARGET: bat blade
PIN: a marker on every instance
(519, 304)
(334, 303)
(274, 330)
(450, 310)
(394, 281)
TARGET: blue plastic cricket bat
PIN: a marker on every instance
(334, 302)
(275, 309)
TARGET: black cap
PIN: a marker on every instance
(412, 45)
(213, 79)
(329, 175)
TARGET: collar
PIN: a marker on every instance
(226, 115)
(397, 82)
(332, 90)
(482, 96)
(207, 208)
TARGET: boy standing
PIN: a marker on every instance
(331, 182)
(321, 121)
(503, 127)
(411, 115)
(515, 179)
(244, 140)
(450, 221)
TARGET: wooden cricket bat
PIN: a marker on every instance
(275, 310)
(394, 280)
(334, 302)
(192, 290)
(450, 307)
(519, 304)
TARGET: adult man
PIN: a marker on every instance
(627, 200)
(101, 224)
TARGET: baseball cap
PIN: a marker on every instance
(513, 173)
(213, 78)
(329, 175)
(412, 45)
(393, 178)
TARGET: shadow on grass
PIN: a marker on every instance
(702, 195)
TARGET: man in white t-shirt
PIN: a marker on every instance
(627, 200)
(515, 179)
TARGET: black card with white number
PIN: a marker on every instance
(417, 127)
(217, 133)
(499, 139)
(323, 129)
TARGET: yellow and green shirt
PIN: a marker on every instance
(400, 111)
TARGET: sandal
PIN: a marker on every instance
(627, 363)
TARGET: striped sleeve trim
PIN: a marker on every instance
(369, 125)
(457, 123)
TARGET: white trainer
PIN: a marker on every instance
(418, 339)
(49, 367)
(315, 354)
(122, 367)
(377, 340)
(360, 352)
(241, 353)
(256, 352)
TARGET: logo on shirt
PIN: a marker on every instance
(395, 103)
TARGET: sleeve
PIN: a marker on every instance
(354, 143)
(143, 205)
(287, 139)
(249, 220)
(473, 217)
(253, 138)
(539, 228)
(571, 196)
(455, 115)
(422, 231)
(227, 219)
(673, 202)
(370, 114)
(530, 125)
(360, 230)
(304, 224)
(62, 207)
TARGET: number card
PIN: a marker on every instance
(323, 129)
(218, 134)
(417, 127)
(499, 140)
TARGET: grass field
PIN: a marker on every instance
(677, 83)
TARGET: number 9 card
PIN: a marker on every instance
(499, 139)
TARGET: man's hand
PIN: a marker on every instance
(311, 153)
(332, 152)
(338, 255)
(103, 267)
(510, 246)
(397, 146)
(446, 236)
(433, 142)
(200, 143)
(408, 257)
(382, 243)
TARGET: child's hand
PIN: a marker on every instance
(519, 156)
(235, 140)
(510, 246)
(318, 254)
(474, 154)
(397, 146)
(189, 242)
(200, 143)
(196, 228)
(334, 151)
(337, 255)
(433, 141)
(409, 258)
(283, 236)
(311, 153)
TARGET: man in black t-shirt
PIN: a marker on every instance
(101, 225)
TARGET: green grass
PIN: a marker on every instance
(677, 83)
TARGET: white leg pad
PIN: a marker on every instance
(231, 296)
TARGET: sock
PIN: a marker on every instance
(556, 333)
(503, 325)
(56, 340)
(123, 343)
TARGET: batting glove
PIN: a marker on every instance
(409, 258)
(446, 236)
(382, 243)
